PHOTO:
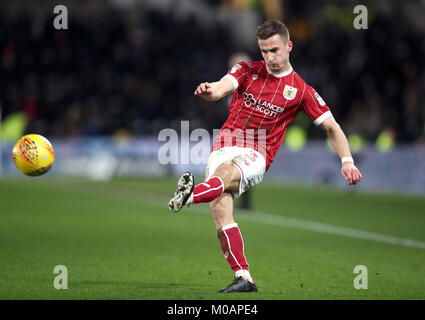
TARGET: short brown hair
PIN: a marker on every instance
(272, 27)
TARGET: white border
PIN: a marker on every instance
(322, 118)
(234, 81)
(279, 75)
(232, 225)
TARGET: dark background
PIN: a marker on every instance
(130, 67)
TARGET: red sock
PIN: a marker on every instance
(231, 243)
(208, 191)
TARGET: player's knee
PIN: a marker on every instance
(227, 174)
(224, 173)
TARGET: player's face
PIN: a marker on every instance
(275, 52)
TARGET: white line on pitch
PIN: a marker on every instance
(328, 228)
(266, 218)
(282, 221)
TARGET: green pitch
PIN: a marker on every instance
(118, 240)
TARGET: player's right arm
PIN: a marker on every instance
(234, 78)
(213, 91)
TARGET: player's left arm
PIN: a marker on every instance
(340, 144)
(318, 111)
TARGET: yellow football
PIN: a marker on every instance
(33, 155)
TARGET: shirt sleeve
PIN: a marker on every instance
(238, 74)
(315, 107)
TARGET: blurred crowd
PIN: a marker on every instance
(113, 75)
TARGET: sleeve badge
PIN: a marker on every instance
(235, 68)
(319, 98)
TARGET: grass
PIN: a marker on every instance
(118, 240)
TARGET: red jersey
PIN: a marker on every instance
(263, 105)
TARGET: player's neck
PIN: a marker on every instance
(287, 69)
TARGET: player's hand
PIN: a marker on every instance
(204, 90)
(351, 173)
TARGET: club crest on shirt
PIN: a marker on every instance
(289, 92)
(254, 76)
(235, 68)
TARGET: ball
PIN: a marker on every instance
(33, 155)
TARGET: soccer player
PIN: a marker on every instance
(267, 96)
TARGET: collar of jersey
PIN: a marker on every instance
(279, 75)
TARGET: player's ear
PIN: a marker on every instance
(289, 46)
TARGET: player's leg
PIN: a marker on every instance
(234, 171)
(226, 178)
(222, 210)
(231, 243)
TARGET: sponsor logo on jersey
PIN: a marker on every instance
(319, 98)
(235, 68)
(289, 92)
(265, 107)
